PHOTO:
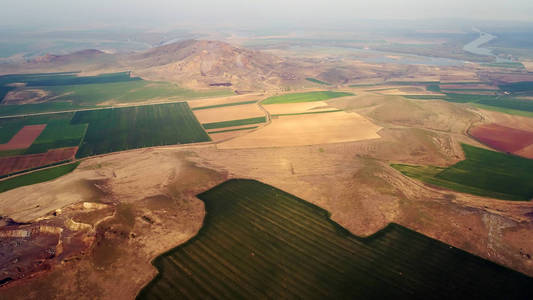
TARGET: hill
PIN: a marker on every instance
(201, 64)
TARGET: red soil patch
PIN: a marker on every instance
(24, 138)
(19, 163)
(502, 138)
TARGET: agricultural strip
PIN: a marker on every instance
(314, 80)
(309, 129)
(223, 105)
(294, 108)
(504, 104)
(307, 113)
(14, 164)
(126, 128)
(58, 133)
(305, 97)
(259, 242)
(36, 177)
(483, 172)
(229, 113)
(234, 129)
(232, 123)
(502, 138)
(23, 138)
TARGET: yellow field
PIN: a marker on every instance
(311, 129)
(228, 113)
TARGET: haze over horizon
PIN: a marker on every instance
(88, 14)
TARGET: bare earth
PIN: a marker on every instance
(299, 130)
(228, 113)
(293, 108)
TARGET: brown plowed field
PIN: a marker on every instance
(502, 138)
(24, 138)
(19, 163)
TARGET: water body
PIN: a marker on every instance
(381, 57)
(474, 46)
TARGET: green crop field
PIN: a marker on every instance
(125, 128)
(483, 173)
(67, 91)
(58, 133)
(36, 177)
(258, 242)
(314, 80)
(240, 122)
(305, 97)
(522, 87)
(127, 92)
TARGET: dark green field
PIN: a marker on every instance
(258, 242)
(314, 80)
(240, 122)
(523, 87)
(59, 133)
(126, 128)
(305, 97)
(36, 177)
(483, 173)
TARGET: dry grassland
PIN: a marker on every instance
(312, 129)
(228, 113)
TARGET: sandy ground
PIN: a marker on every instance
(528, 65)
(311, 129)
(293, 108)
(25, 96)
(228, 113)
(408, 91)
(224, 100)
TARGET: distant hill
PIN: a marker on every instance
(200, 63)
(75, 57)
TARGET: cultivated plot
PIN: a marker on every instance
(126, 128)
(308, 129)
(305, 97)
(260, 242)
(483, 172)
(502, 138)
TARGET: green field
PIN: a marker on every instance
(23, 109)
(240, 122)
(483, 172)
(314, 80)
(128, 92)
(258, 242)
(67, 91)
(126, 128)
(522, 87)
(67, 78)
(36, 177)
(58, 133)
(305, 97)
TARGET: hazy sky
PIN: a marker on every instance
(243, 12)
